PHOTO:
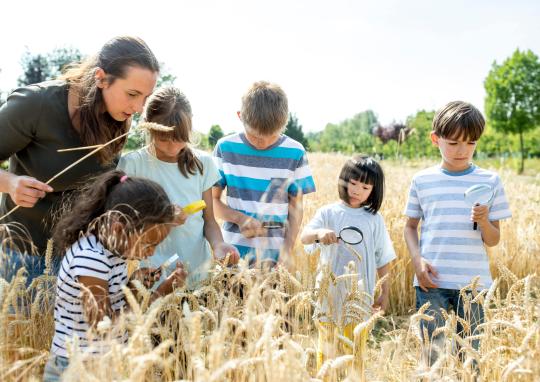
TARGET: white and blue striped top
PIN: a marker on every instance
(258, 184)
(447, 238)
(86, 257)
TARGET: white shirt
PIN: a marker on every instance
(375, 251)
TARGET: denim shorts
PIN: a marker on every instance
(54, 368)
(11, 261)
(448, 299)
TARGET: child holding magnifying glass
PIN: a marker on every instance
(336, 226)
(451, 251)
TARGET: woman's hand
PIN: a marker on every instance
(226, 253)
(147, 276)
(26, 191)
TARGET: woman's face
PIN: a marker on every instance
(126, 96)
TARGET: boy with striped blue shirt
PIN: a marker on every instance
(266, 174)
(450, 252)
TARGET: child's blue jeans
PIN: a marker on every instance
(54, 368)
(445, 299)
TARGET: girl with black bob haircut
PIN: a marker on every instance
(361, 190)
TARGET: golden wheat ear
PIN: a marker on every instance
(155, 127)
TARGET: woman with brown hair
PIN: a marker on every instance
(91, 104)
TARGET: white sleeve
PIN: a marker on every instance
(384, 249)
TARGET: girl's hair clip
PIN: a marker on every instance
(123, 178)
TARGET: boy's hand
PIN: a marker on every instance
(326, 236)
(175, 280)
(226, 253)
(251, 227)
(180, 216)
(381, 304)
(147, 276)
(479, 214)
(425, 273)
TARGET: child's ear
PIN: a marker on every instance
(239, 115)
(434, 139)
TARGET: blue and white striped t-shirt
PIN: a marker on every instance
(258, 184)
(86, 257)
(447, 238)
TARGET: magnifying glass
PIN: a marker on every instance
(479, 195)
(173, 259)
(273, 225)
(350, 235)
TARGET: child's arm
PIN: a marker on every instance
(425, 272)
(323, 235)
(212, 232)
(295, 215)
(382, 301)
(249, 227)
(491, 233)
(96, 300)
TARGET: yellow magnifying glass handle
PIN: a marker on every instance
(197, 206)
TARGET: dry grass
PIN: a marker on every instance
(252, 326)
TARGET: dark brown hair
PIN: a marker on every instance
(457, 120)
(135, 202)
(265, 108)
(363, 168)
(95, 124)
(170, 107)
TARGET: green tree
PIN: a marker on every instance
(513, 96)
(294, 130)
(2, 101)
(418, 143)
(60, 58)
(43, 67)
(214, 135)
(351, 135)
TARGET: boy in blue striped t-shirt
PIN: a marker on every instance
(266, 174)
(450, 252)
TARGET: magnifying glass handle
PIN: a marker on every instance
(475, 224)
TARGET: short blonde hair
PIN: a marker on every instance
(265, 108)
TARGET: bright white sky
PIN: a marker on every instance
(334, 58)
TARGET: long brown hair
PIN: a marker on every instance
(113, 197)
(170, 107)
(95, 124)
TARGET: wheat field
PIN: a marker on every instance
(247, 325)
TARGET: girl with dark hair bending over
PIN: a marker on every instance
(90, 105)
(114, 219)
